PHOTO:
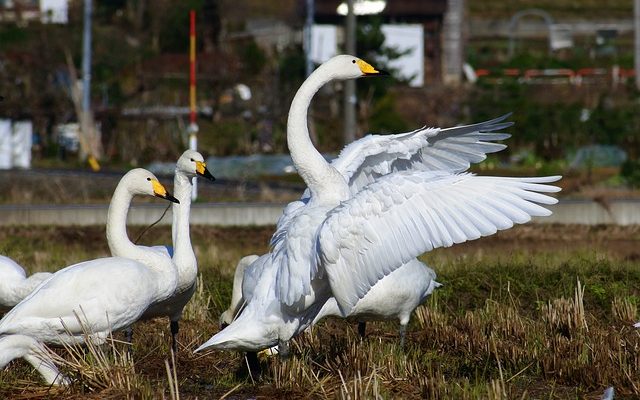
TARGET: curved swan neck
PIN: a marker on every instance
(312, 167)
(238, 278)
(117, 236)
(183, 254)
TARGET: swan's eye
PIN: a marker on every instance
(192, 160)
(353, 61)
(149, 179)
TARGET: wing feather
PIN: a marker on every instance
(416, 211)
(425, 149)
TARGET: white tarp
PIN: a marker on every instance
(324, 42)
(54, 11)
(5, 144)
(404, 37)
(21, 144)
(560, 36)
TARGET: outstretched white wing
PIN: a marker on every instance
(405, 214)
(425, 149)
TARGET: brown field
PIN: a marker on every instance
(511, 321)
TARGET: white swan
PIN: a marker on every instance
(189, 165)
(263, 323)
(104, 294)
(384, 201)
(14, 284)
(393, 297)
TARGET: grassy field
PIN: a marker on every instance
(536, 312)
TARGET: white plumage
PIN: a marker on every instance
(395, 296)
(408, 213)
(383, 202)
(14, 284)
(425, 149)
(242, 289)
(263, 322)
(189, 165)
(105, 294)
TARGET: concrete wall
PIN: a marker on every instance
(620, 212)
(584, 212)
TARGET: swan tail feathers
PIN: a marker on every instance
(246, 333)
(226, 339)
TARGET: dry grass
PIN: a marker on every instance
(198, 307)
(515, 319)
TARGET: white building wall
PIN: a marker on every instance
(54, 11)
(324, 42)
(21, 141)
(5, 144)
(410, 38)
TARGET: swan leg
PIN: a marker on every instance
(174, 331)
(362, 329)
(128, 334)
(283, 349)
(253, 364)
(403, 333)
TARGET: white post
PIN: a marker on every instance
(350, 99)
(308, 26)
(452, 57)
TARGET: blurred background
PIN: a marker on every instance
(91, 88)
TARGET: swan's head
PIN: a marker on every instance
(191, 163)
(350, 67)
(142, 182)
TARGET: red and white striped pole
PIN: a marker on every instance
(193, 126)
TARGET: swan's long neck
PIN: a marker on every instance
(119, 242)
(117, 236)
(320, 177)
(183, 255)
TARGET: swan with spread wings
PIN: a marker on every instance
(385, 200)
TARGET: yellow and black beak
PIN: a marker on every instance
(368, 70)
(201, 170)
(160, 191)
